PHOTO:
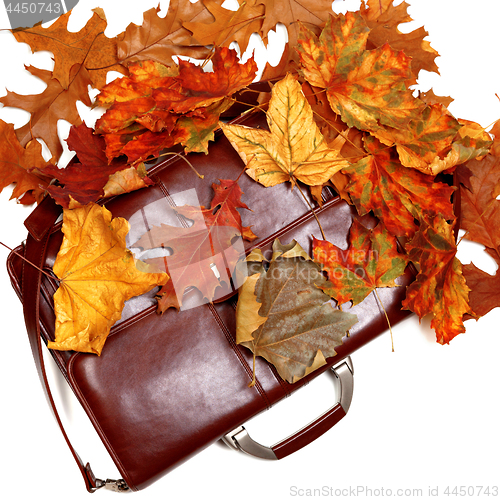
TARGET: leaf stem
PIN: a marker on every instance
(312, 210)
(386, 317)
(54, 278)
(172, 153)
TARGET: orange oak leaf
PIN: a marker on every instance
(440, 288)
(89, 47)
(204, 254)
(91, 177)
(371, 261)
(484, 288)
(384, 19)
(16, 163)
(97, 275)
(293, 149)
(160, 38)
(53, 104)
(397, 195)
(479, 205)
(227, 25)
(366, 87)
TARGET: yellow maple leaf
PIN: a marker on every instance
(97, 275)
(293, 148)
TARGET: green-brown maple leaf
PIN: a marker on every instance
(397, 195)
(371, 261)
(440, 288)
(366, 87)
(283, 316)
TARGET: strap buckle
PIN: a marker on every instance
(116, 485)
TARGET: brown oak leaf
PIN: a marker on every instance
(160, 38)
(227, 25)
(16, 163)
(89, 47)
(384, 19)
(53, 104)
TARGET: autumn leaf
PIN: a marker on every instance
(92, 178)
(397, 195)
(201, 248)
(436, 141)
(89, 47)
(16, 163)
(312, 13)
(293, 149)
(160, 38)
(384, 19)
(366, 87)
(480, 209)
(53, 104)
(371, 261)
(440, 288)
(484, 288)
(296, 327)
(97, 275)
(227, 25)
(165, 106)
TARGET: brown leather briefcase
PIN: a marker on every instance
(167, 386)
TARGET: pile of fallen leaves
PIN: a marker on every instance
(340, 113)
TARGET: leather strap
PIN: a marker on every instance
(36, 247)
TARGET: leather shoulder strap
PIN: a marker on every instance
(40, 224)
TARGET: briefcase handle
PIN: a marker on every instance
(240, 440)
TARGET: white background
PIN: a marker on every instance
(424, 416)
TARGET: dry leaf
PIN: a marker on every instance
(160, 38)
(296, 327)
(384, 20)
(92, 178)
(15, 165)
(440, 289)
(366, 87)
(53, 104)
(371, 261)
(397, 195)
(293, 149)
(98, 274)
(89, 47)
(197, 248)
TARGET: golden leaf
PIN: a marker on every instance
(293, 148)
(98, 274)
